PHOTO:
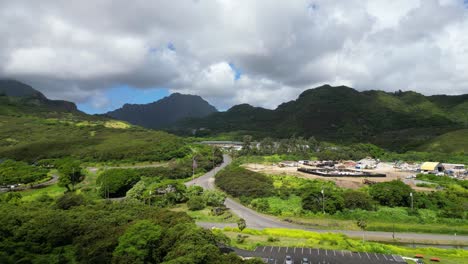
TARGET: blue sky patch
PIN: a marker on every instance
(119, 95)
(237, 71)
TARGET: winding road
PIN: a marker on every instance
(260, 221)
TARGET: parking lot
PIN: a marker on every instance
(277, 255)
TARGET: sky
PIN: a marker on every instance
(101, 54)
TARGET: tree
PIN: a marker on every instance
(214, 198)
(138, 243)
(267, 146)
(247, 144)
(313, 199)
(361, 223)
(70, 174)
(196, 203)
(241, 224)
(393, 193)
(194, 190)
(357, 200)
(136, 192)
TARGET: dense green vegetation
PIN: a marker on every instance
(399, 121)
(289, 196)
(14, 172)
(452, 142)
(240, 182)
(40, 232)
(32, 139)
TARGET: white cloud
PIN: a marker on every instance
(76, 50)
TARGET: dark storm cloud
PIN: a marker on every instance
(75, 50)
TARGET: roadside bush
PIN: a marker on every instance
(313, 200)
(238, 182)
(214, 198)
(196, 203)
(357, 200)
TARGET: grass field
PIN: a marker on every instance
(206, 216)
(299, 238)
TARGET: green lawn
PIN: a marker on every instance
(52, 190)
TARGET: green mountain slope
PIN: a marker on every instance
(452, 142)
(34, 127)
(401, 120)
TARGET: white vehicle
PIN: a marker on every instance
(288, 260)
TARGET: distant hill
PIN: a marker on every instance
(401, 120)
(164, 112)
(17, 96)
(33, 127)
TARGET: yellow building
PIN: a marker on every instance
(432, 167)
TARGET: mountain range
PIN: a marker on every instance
(402, 120)
(399, 121)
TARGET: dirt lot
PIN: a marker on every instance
(345, 182)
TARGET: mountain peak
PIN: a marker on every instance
(164, 112)
(15, 88)
(31, 96)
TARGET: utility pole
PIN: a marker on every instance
(323, 201)
(411, 195)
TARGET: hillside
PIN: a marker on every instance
(19, 97)
(452, 142)
(164, 112)
(33, 127)
(401, 120)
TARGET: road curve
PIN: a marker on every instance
(259, 221)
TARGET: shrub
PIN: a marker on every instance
(196, 203)
(357, 200)
(238, 182)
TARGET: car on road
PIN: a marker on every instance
(288, 260)
(305, 261)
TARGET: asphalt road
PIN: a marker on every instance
(259, 221)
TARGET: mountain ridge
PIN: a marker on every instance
(342, 114)
(164, 112)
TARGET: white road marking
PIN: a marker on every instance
(326, 252)
(359, 255)
(376, 256)
(310, 251)
(318, 251)
(294, 250)
(302, 250)
(368, 255)
(342, 253)
(385, 257)
(287, 248)
(279, 249)
(271, 250)
(334, 252)
(263, 249)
